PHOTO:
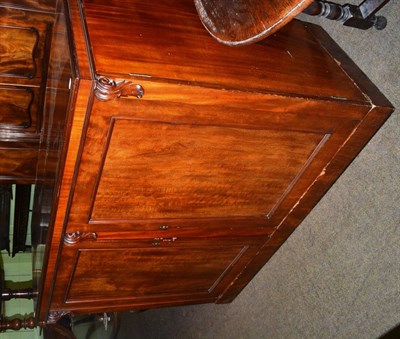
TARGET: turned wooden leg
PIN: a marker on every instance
(30, 323)
(362, 16)
(17, 324)
(7, 294)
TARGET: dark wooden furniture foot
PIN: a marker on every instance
(362, 16)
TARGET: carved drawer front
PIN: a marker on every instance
(130, 272)
(18, 164)
(23, 36)
(19, 110)
(18, 48)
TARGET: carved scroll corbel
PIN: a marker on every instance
(76, 237)
(107, 89)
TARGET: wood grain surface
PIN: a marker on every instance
(180, 196)
(160, 40)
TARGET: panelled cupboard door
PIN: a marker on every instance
(185, 153)
(131, 273)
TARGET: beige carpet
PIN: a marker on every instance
(338, 276)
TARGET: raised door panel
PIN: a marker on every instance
(130, 273)
(187, 153)
(170, 170)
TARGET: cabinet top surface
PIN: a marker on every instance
(166, 40)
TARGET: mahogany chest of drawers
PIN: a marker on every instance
(24, 45)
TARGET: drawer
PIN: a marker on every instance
(18, 165)
(24, 37)
(18, 46)
(19, 113)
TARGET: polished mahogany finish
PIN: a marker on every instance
(179, 164)
(189, 162)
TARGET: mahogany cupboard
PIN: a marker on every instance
(183, 163)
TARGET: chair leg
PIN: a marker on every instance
(17, 324)
(23, 293)
(57, 330)
(362, 16)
